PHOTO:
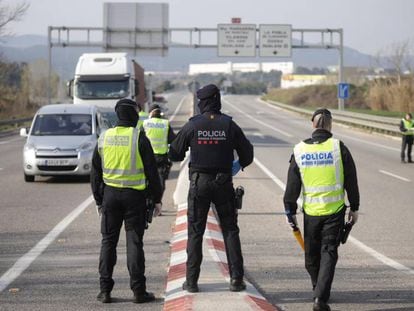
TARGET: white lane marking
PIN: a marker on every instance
(258, 121)
(343, 135)
(394, 175)
(381, 257)
(4, 142)
(26, 260)
(384, 259)
(177, 109)
(259, 135)
(364, 141)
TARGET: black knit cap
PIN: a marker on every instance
(207, 91)
(126, 110)
(153, 107)
(323, 111)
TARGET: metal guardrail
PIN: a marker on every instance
(15, 122)
(384, 125)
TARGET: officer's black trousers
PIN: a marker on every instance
(321, 250)
(407, 143)
(122, 205)
(200, 196)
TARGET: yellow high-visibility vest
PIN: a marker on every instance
(121, 161)
(322, 175)
(409, 125)
(156, 130)
(142, 117)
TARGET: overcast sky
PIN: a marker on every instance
(369, 25)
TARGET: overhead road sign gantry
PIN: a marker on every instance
(275, 40)
(236, 40)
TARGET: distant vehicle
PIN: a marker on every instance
(62, 139)
(102, 79)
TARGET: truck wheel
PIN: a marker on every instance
(29, 178)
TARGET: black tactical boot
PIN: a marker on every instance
(320, 305)
(104, 297)
(190, 287)
(237, 285)
(142, 297)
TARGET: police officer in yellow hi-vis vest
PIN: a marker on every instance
(143, 115)
(160, 134)
(323, 169)
(407, 131)
(123, 171)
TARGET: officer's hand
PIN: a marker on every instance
(99, 210)
(157, 209)
(292, 221)
(353, 217)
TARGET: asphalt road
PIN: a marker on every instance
(375, 269)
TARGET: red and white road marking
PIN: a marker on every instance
(178, 299)
(175, 297)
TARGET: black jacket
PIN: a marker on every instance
(294, 182)
(150, 169)
(239, 142)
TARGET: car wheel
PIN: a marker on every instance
(29, 178)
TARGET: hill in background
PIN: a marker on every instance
(29, 48)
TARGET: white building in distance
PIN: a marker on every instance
(229, 67)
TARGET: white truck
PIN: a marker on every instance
(102, 79)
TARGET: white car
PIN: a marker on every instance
(61, 141)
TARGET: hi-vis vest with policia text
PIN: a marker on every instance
(409, 125)
(322, 176)
(156, 130)
(142, 117)
(121, 161)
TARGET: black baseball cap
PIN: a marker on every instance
(323, 111)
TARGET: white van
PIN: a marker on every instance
(61, 140)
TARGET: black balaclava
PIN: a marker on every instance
(209, 97)
(126, 110)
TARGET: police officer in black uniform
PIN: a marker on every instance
(124, 204)
(212, 138)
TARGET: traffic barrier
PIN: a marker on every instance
(371, 123)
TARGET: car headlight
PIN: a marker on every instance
(29, 147)
(86, 146)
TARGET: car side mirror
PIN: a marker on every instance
(23, 132)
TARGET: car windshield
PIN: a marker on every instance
(101, 89)
(62, 124)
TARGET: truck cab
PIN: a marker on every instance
(102, 79)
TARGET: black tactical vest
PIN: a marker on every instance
(211, 146)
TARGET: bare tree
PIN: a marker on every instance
(10, 14)
(398, 56)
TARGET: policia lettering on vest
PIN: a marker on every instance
(124, 171)
(212, 138)
(323, 169)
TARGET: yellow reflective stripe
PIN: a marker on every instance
(322, 200)
(324, 188)
(122, 172)
(138, 182)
